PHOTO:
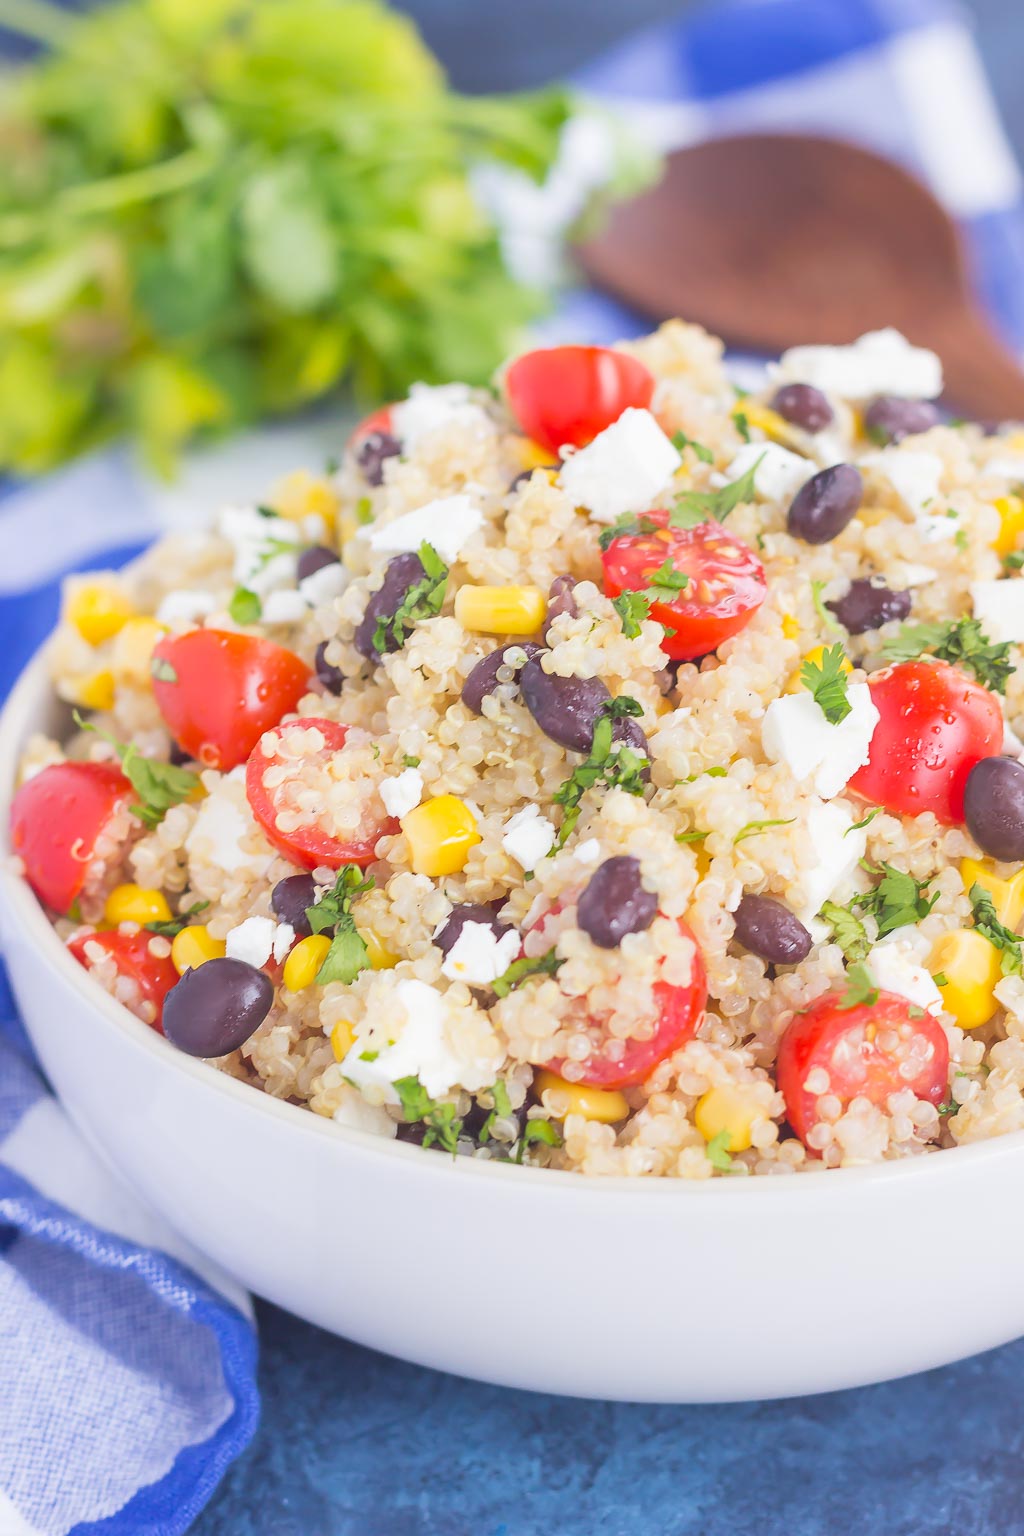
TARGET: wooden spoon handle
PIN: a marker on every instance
(983, 380)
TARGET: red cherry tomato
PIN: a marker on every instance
(936, 725)
(846, 1043)
(219, 691)
(378, 421)
(153, 975)
(680, 1009)
(57, 818)
(726, 584)
(567, 395)
(308, 845)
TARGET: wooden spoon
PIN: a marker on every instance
(770, 240)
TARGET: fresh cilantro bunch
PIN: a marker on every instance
(961, 642)
(332, 914)
(217, 210)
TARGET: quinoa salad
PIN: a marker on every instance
(612, 771)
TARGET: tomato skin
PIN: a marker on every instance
(834, 1039)
(155, 974)
(707, 553)
(379, 420)
(229, 689)
(308, 847)
(936, 725)
(567, 395)
(57, 817)
(680, 1010)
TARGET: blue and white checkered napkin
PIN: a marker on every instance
(127, 1367)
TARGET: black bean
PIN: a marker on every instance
(615, 903)
(215, 1008)
(565, 708)
(804, 406)
(869, 604)
(290, 898)
(314, 559)
(889, 418)
(483, 679)
(372, 452)
(994, 808)
(331, 676)
(467, 912)
(178, 756)
(560, 600)
(627, 731)
(768, 928)
(822, 508)
(401, 573)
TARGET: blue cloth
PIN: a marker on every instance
(127, 1373)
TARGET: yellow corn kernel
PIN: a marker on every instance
(531, 455)
(769, 422)
(380, 959)
(796, 682)
(1007, 895)
(94, 690)
(440, 832)
(98, 610)
(304, 961)
(1011, 523)
(342, 1039)
(729, 1110)
(604, 1104)
(969, 970)
(301, 495)
(501, 610)
(193, 946)
(136, 904)
(790, 626)
(871, 516)
(133, 651)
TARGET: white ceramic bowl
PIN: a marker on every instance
(651, 1290)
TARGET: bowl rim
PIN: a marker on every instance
(34, 687)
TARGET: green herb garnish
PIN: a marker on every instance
(521, 970)
(694, 507)
(742, 423)
(632, 608)
(245, 607)
(443, 1124)
(941, 979)
(173, 926)
(347, 955)
(960, 642)
(665, 584)
(865, 821)
(538, 1130)
(860, 988)
(690, 837)
(752, 828)
(1011, 955)
(827, 620)
(681, 442)
(162, 670)
(158, 785)
(897, 901)
(364, 511)
(717, 1152)
(1014, 561)
(626, 526)
(408, 761)
(847, 931)
(827, 681)
(501, 1111)
(424, 600)
(613, 764)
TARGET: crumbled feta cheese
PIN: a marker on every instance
(252, 941)
(283, 607)
(528, 837)
(779, 475)
(878, 363)
(182, 608)
(326, 583)
(914, 476)
(284, 938)
(837, 851)
(479, 955)
(623, 469)
(448, 524)
(589, 852)
(421, 1050)
(401, 793)
(917, 575)
(261, 564)
(1009, 468)
(357, 1115)
(795, 732)
(896, 968)
(430, 406)
(936, 527)
(222, 821)
(999, 606)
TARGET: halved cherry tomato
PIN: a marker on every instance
(57, 818)
(378, 421)
(219, 691)
(726, 582)
(936, 725)
(567, 395)
(680, 1009)
(308, 845)
(846, 1043)
(154, 975)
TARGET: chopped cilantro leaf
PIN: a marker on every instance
(424, 600)
(897, 900)
(171, 927)
(1014, 561)
(501, 1111)
(827, 621)
(860, 989)
(847, 931)
(538, 1130)
(443, 1124)
(1011, 955)
(947, 1107)
(520, 971)
(752, 828)
(364, 511)
(691, 837)
(245, 607)
(408, 761)
(960, 642)
(717, 1152)
(695, 507)
(941, 979)
(158, 785)
(632, 608)
(681, 442)
(626, 526)
(742, 424)
(612, 764)
(827, 682)
(347, 955)
(865, 821)
(666, 583)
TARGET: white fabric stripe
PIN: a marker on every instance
(12, 1521)
(46, 1150)
(957, 132)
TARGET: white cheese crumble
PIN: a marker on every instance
(623, 469)
(528, 837)
(795, 732)
(914, 476)
(182, 608)
(430, 406)
(1010, 468)
(252, 941)
(838, 850)
(421, 1050)
(223, 820)
(261, 565)
(328, 582)
(896, 967)
(402, 793)
(448, 524)
(917, 575)
(357, 1115)
(589, 852)
(284, 607)
(778, 476)
(999, 606)
(479, 955)
(878, 363)
(284, 938)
